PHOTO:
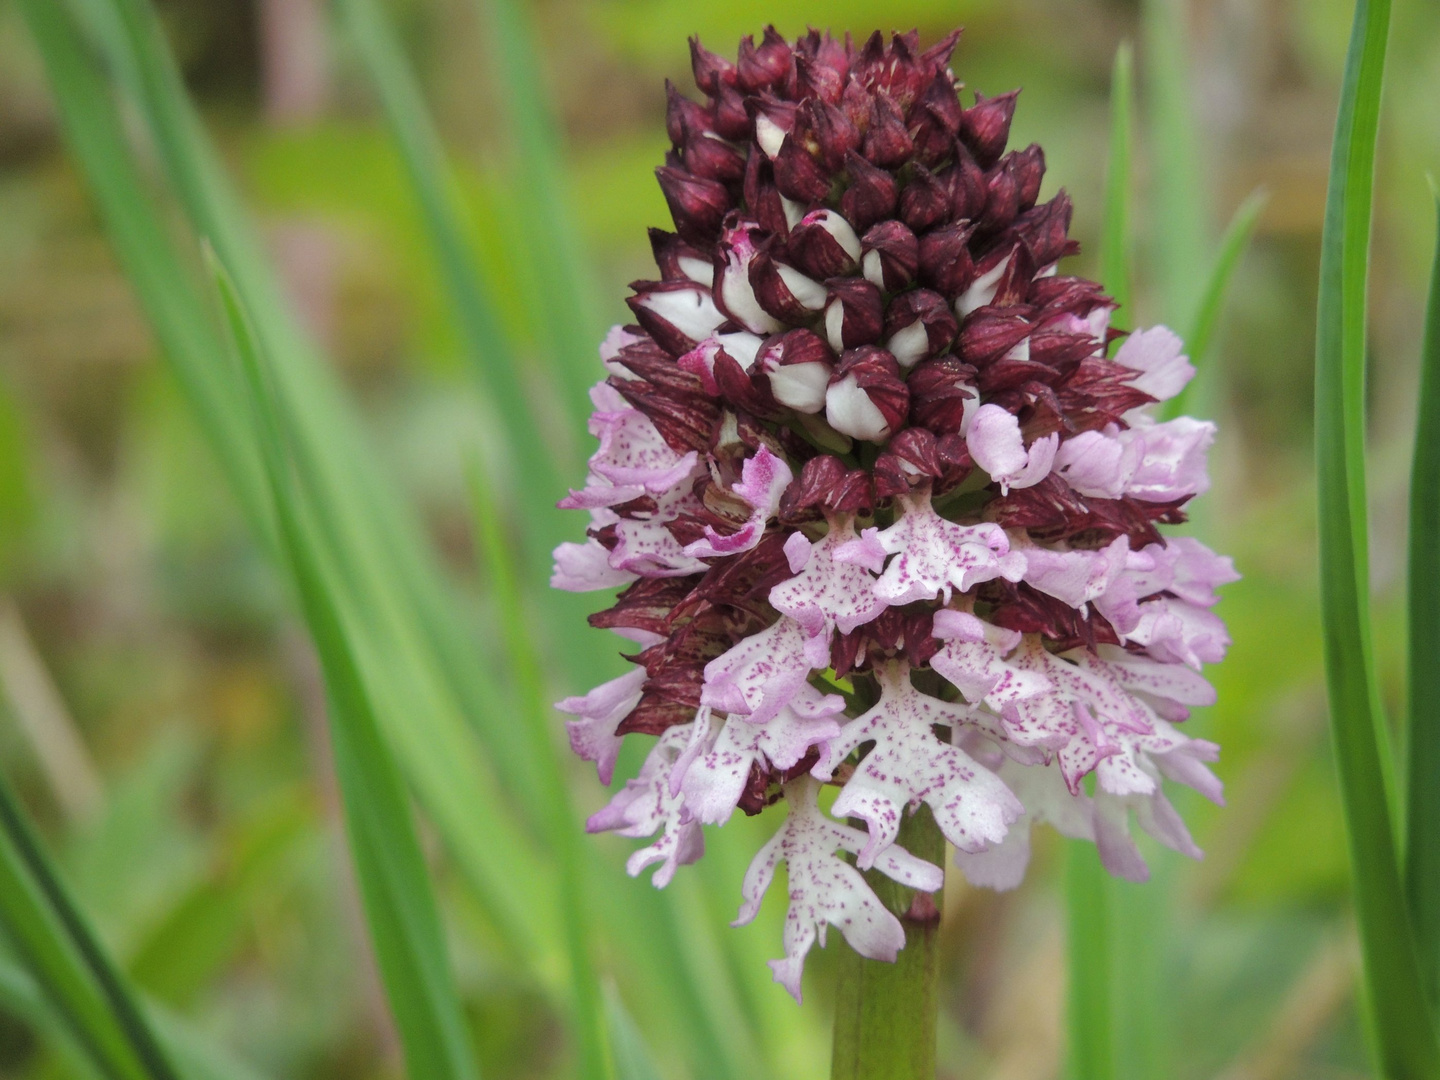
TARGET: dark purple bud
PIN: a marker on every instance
(966, 181)
(736, 386)
(872, 195)
(826, 132)
(677, 314)
(936, 59)
(783, 291)
(740, 347)
(824, 245)
(762, 196)
(672, 400)
(942, 394)
(919, 324)
(711, 71)
(955, 461)
(891, 255)
(1013, 285)
(798, 364)
(1045, 230)
(925, 201)
(677, 260)
(824, 482)
(1002, 200)
(934, 120)
(1061, 349)
(989, 335)
(867, 397)
(773, 119)
(817, 79)
(798, 175)
(986, 127)
(895, 72)
(854, 313)
(911, 460)
(697, 205)
(711, 157)
(829, 61)
(1063, 295)
(734, 295)
(945, 262)
(682, 114)
(732, 119)
(887, 143)
(765, 65)
(1027, 168)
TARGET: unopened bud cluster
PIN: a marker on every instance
(868, 476)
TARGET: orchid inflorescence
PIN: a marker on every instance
(867, 475)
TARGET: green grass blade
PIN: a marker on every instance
(491, 353)
(66, 958)
(1091, 1019)
(379, 531)
(390, 867)
(1115, 251)
(632, 1057)
(1422, 856)
(1399, 1017)
(538, 722)
(556, 262)
(1212, 296)
(1179, 219)
(410, 617)
(197, 1057)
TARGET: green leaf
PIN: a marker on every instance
(417, 658)
(1399, 1018)
(197, 1057)
(1212, 298)
(1115, 230)
(62, 952)
(560, 286)
(538, 725)
(1179, 218)
(389, 865)
(1422, 858)
(443, 212)
(1091, 1013)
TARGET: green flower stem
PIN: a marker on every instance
(885, 1013)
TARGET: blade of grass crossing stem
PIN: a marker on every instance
(1422, 834)
(433, 743)
(1399, 1017)
(560, 821)
(561, 288)
(62, 952)
(390, 867)
(1091, 1006)
(490, 351)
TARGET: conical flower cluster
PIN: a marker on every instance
(885, 513)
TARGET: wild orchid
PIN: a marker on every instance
(885, 512)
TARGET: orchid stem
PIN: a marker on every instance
(885, 1013)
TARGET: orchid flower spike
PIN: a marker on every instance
(864, 434)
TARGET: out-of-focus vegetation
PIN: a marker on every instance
(162, 713)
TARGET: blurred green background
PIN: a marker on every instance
(161, 712)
